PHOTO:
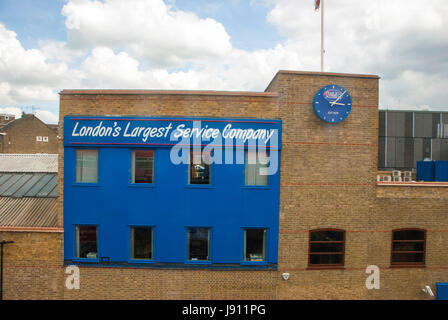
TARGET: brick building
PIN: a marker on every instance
(27, 134)
(326, 218)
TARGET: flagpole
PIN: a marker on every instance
(322, 50)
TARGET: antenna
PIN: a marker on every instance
(29, 109)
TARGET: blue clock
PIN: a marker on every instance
(332, 103)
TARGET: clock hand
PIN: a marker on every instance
(338, 103)
(332, 103)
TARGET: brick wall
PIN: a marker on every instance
(33, 267)
(328, 180)
(21, 136)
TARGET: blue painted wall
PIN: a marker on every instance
(170, 205)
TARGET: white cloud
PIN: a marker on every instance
(148, 30)
(11, 110)
(26, 75)
(152, 45)
(47, 116)
(405, 42)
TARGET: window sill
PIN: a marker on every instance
(141, 185)
(81, 184)
(208, 262)
(87, 260)
(172, 266)
(140, 261)
(256, 187)
(199, 186)
(325, 268)
(399, 266)
(254, 263)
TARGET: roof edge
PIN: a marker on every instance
(166, 92)
(332, 74)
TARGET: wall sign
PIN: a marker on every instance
(332, 103)
(144, 131)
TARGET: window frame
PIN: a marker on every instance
(97, 167)
(76, 243)
(199, 185)
(326, 266)
(145, 184)
(255, 186)
(408, 264)
(265, 246)
(141, 260)
(190, 261)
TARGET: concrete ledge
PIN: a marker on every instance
(169, 92)
(413, 184)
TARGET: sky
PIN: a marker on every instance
(50, 45)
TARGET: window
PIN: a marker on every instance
(255, 163)
(142, 166)
(198, 244)
(141, 243)
(39, 138)
(408, 247)
(255, 244)
(86, 242)
(199, 169)
(45, 139)
(87, 166)
(327, 248)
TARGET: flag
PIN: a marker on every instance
(316, 4)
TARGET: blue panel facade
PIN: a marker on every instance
(441, 171)
(442, 291)
(425, 171)
(170, 204)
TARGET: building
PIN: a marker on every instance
(29, 217)
(6, 117)
(143, 220)
(27, 134)
(406, 137)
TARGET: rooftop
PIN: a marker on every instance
(28, 163)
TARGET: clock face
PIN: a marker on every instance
(332, 103)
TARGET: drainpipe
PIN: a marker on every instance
(2, 243)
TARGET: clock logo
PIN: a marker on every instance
(332, 103)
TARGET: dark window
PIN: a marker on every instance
(426, 124)
(199, 168)
(390, 152)
(86, 242)
(198, 244)
(141, 243)
(381, 152)
(87, 166)
(422, 150)
(142, 166)
(327, 248)
(255, 244)
(382, 124)
(440, 149)
(444, 127)
(408, 247)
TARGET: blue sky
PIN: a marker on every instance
(50, 45)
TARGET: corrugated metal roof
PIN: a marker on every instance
(28, 212)
(28, 162)
(38, 185)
